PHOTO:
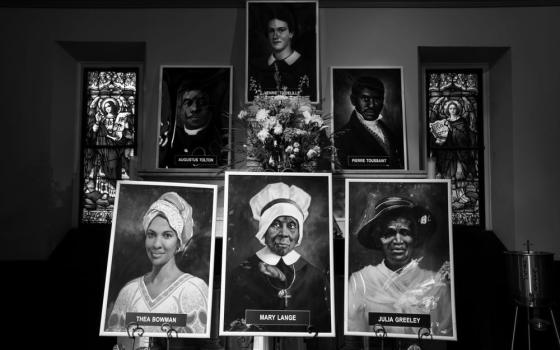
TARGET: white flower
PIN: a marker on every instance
(263, 135)
(278, 129)
(307, 117)
(280, 97)
(317, 120)
(296, 144)
(262, 114)
(242, 114)
(304, 108)
(289, 149)
(296, 150)
(269, 122)
(271, 161)
(292, 156)
(311, 154)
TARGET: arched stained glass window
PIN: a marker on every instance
(108, 138)
(455, 141)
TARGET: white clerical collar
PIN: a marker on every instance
(192, 132)
(266, 255)
(294, 56)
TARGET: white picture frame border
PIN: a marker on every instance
(214, 189)
(223, 289)
(450, 247)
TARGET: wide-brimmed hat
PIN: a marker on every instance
(375, 215)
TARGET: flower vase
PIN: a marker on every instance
(252, 164)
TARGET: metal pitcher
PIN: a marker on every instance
(529, 277)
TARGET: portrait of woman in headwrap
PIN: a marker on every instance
(166, 291)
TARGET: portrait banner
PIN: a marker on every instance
(277, 262)
(161, 261)
(399, 273)
(282, 49)
(194, 114)
(368, 118)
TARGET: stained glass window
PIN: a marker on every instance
(108, 138)
(455, 129)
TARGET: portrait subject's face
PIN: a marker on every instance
(195, 109)
(368, 103)
(109, 108)
(161, 242)
(452, 109)
(279, 35)
(282, 235)
(397, 239)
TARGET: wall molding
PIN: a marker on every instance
(241, 3)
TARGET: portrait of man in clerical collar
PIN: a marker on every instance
(399, 259)
(277, 260)
(368, 118)
(282, 46)
(195, 105)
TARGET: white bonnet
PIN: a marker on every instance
(279, 199)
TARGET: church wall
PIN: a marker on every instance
(41, 103)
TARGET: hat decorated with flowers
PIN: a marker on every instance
(375, 216)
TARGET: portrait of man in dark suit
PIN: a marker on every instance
(368, 118)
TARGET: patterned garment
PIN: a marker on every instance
(410, 290)
(187, 295)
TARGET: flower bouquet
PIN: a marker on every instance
(284, 133)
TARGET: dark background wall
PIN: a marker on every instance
(43, 50)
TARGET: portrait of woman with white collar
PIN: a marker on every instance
(282, 46)
(277, 255)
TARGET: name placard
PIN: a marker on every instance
(195, 161)
(277, 317)
(399, 320)
(367, 161)
(153, 319)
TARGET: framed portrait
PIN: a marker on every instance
(368, 118)
(277, 262)
(399, 274)
(194, 113)
(282, 49)
(161, 260)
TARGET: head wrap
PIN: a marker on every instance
(279, 199)
(176, 211)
